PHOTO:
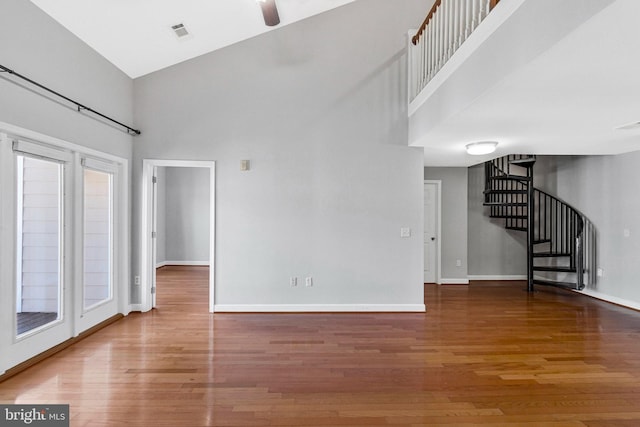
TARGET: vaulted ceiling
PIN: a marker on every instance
(136, 35)
(550, 78)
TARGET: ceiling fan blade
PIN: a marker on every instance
(270, 12)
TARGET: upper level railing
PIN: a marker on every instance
(446, 27)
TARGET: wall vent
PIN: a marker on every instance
(180, 30)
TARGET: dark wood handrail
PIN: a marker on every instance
(436, 5)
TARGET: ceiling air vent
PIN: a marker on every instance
(180, 30)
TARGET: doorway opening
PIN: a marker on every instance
(178, 222)
(182, 288)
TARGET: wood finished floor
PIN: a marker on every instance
(485, 354)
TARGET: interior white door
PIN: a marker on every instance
(430, 232)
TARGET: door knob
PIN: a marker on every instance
(433, 238)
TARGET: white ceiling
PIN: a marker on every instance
(570, 99)
(136, 35)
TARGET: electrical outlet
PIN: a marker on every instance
(308, 282)
(458, 263)
(405, 232)
(293, 281)
(600, 272)
(136, 280)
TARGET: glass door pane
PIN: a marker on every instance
(39, 244)
(98, 225)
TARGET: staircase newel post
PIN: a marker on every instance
(530, 228)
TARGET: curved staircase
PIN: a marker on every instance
(556, 231)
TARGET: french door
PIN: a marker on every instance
(59, 222)
(96, 297)
(41, 215)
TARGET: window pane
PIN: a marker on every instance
(97, 237)
(39, 283)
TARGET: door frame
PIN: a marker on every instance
(438, 266)
(147, 263)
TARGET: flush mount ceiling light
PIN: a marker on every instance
(269, 12)
(482, 147)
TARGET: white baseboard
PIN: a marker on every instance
(499, 277)
(322, 308)
(608, 298)
(195, 263)
(454, 281)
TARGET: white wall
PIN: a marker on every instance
(454, 221)
(320, 109)
(187, 215)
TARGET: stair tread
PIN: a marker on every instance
(553, 268)
(524, 161)
(539, 242)
(568, 285)
(504, 204)
(517, 228)
(550, 254)
(505, 191)
(510, 178)
(509, 216)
